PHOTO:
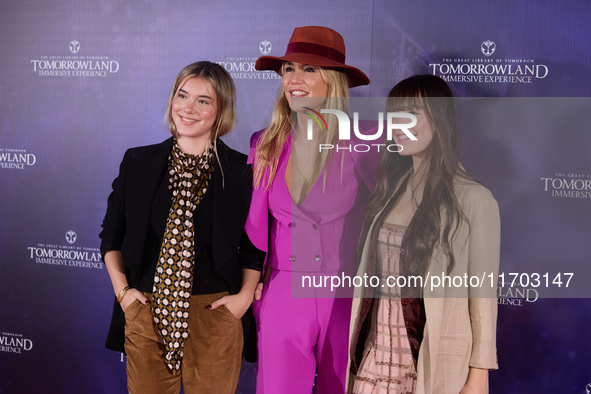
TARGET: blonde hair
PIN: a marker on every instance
(216, 78)
(271, 143)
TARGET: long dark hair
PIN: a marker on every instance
(439, 214)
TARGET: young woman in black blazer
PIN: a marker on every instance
(183, 269)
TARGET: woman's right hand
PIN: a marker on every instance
(116, 269)
(132, 295)
(258, 292)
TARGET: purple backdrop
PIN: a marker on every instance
(82, 81)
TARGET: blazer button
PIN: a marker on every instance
(317, 257)
(404, 301)
(292, 224)
(403, 252)
(314, 227)
(292, 258)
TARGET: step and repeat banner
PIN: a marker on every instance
(82, 81)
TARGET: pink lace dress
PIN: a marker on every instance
(387, 365)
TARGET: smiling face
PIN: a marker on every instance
(303, 81)
(423, 131)
(194, 111)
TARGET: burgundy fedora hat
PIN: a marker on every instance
(316, 46)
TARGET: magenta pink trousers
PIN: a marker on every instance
(301, 341)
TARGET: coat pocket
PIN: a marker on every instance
(453, 346)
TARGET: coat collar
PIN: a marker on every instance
(229, 199)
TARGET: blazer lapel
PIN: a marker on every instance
(156, 166)
(161, 206)
(146, 173)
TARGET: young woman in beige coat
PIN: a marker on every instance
(427, 221)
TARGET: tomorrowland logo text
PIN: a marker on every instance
(66, 256)
(488, 69)
(345, 129)
(568, 185)
(516, 296)
(16, 158)
(74, 66)
(242, 67)
(111, 66)
(14, 343)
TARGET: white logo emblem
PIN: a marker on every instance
(71, 237)
(265, 47)
(488, 47)
(74, 46)
(588, 388)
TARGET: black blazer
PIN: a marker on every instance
(140, 199)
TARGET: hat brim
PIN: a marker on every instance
(355, 76)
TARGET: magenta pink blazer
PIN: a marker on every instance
(322, 233)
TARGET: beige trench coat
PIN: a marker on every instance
(460, 329)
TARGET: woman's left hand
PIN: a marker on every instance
(238, 304)
(477, 382)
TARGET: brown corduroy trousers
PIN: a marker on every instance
(212, 354)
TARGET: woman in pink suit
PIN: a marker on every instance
(306, 212)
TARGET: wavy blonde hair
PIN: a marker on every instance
(272, 141)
